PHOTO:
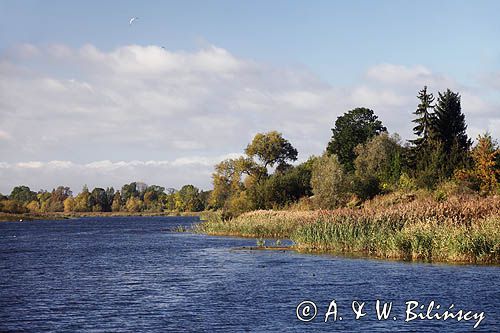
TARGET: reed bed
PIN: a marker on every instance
(460, 229)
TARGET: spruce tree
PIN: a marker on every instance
(450, 122)
(425, 118)
(450, 129)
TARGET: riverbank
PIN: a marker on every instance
(459, 229)
(5, 217)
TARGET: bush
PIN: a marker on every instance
(330, 184)
(12, 206)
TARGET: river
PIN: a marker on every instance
(137, 274)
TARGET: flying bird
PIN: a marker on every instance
(132, 20)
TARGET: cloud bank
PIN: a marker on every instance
(98, 117)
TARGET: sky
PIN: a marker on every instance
(87, 98)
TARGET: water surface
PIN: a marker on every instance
(133, 274)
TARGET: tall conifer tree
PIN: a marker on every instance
(450, 123)
(425, 118)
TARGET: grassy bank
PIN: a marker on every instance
(460, 229)
(4, 217)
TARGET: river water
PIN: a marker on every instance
(136, 274)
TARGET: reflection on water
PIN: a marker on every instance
(137, 274)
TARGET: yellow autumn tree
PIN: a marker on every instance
(69, 204)
(485, 169)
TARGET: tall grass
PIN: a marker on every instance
(460, 229)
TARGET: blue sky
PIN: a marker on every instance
(87, 98)
(336, 39)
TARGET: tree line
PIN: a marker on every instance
(133, 197)
(360, 161)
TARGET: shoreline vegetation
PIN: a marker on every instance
(402, 226)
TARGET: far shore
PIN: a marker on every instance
(8, 217)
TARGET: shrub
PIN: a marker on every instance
(330, 184)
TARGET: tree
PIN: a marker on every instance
(227, 178)
(57, 197)
(12, 206)
(22, 194)
(450, 123)
(110, 195)
(69, 205)
(170, 199)
(33, 206)
(450, 129)
(44, 199)
(82, 200)
(282, 188)
(330, 184)
(129, 190)
(117, 202)
(425, 120)
(486, 171)
(380, 158)
(351, 129)
(484, 155)
(154, 198)
(98, 200)
(189, 200)
(226, 181)
(133, 205)
(378, 164)
(271, 149)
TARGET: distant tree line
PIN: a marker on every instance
(133, 197)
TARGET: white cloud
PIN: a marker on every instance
(156, 108)
(389, 73)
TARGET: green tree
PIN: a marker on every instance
(22, 194)
(44, 200)
(170, 199)
(425, 120)
(450, 122)
(82, 201)
(282, 188)
(431, 165)
(98, 200)
(228, 179)
(451, 133)
(110, 195)
(380, 158)
(129, 190)
(271, 149)
(351, 129)
(330, 184)
(189, 199)
(378, 164)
